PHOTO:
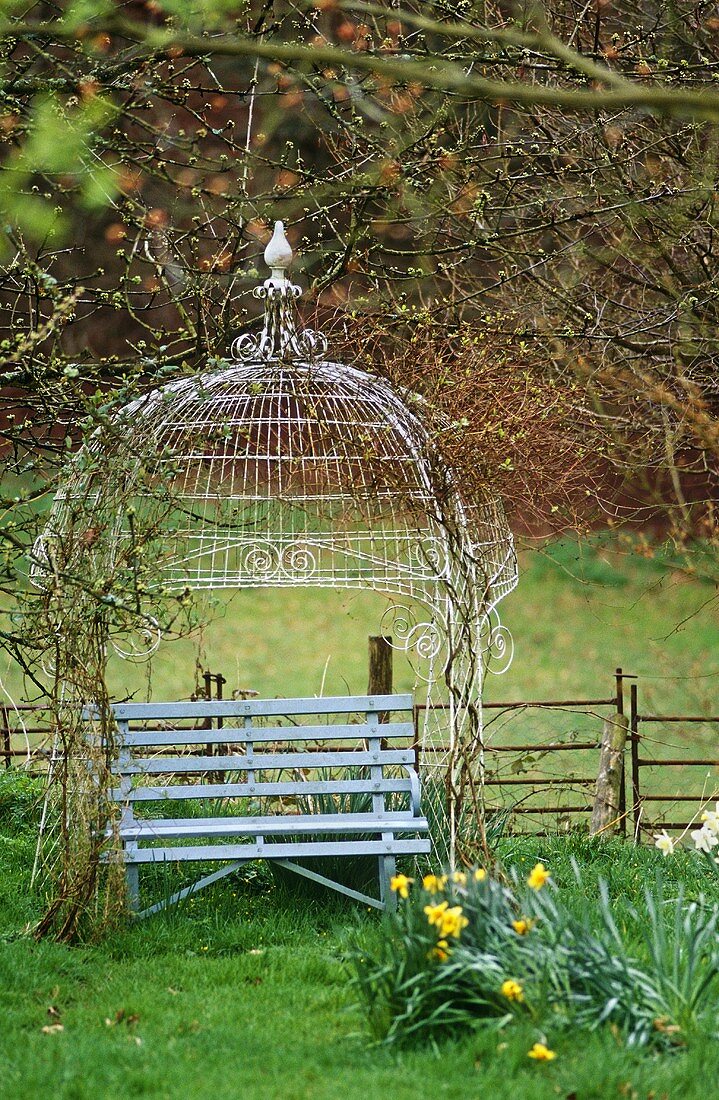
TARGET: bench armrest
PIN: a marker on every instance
(414, 789)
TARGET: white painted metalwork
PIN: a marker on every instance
(282, 468)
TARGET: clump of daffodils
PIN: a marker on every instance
(472, 947)
(705, 838)
(448, 919)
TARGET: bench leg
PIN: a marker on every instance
(387, 869)
(132, 876)
(133, 886)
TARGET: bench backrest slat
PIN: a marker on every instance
(258, 708)
(304, 789)
(261, 734)
(165, 765)
(345, 750)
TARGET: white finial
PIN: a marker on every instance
(278, 254)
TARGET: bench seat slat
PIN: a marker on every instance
(260, 790)
(237, 708)
(261, 734)
(279, 825)
(281, 850)
(268, 762)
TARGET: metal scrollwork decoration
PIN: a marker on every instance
(138, 646)
(498, 644)
(299, 562)
(424, 643)
(260, 560)
(398, 622)
(279, 338)
(432, 553)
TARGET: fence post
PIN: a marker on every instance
(7, 746)
(634, 746)
(415, 736)
(607, 807)
(380, 668)
(623, 776)
(217, 749)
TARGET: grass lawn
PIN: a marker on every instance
(244, 993)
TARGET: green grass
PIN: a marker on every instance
(244, 992)
(582, 610)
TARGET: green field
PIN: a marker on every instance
(244, 991)
(578, 612)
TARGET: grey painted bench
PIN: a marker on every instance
(268, 754)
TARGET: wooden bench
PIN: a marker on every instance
(271, 768)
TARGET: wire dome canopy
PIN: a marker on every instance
(280, 467)
(308, 472)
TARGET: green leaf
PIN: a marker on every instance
(99, 186)
(82, 12)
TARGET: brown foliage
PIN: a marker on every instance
(502, 422)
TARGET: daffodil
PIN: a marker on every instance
(400, 884)
(522, 925)
(711, 819)
(704, 839)
(538, 876)
(512, 990)
(541, 1053)
(434, 912)
(440, 952)
(480, 874)
(452, 922)
(434, 884)
(459, 878)
(664, 843)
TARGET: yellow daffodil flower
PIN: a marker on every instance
(440, 952)
(541, 1053)
(480, 874)
(522, 925)
(434, 912)
(400, 884)
(512, 990)
(452, 922)
(459, 877)
(538, 876)
(449, 922)
(434, 884)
